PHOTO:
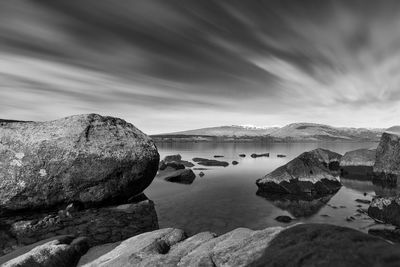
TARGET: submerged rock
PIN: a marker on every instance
(182, 176)
(235, 162)
(308, 175)
(323, 245)
(385, 209)
(387, 164)
(101, 225)
(201, 174)
(62, 252)
(242, 155)
(210, 162)
(254, 155)
(284, 219)
(86, 158)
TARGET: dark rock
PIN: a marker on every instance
(363, 201)
(86, 158)
(235, 162)
(254, 155)
(299, 245)
(175, 159)
(385, 209)
(284, 219)
(386, 233)
(281, 156)
(218, 156)
(100, 225)
(200, 169)
(201, 174)
(62, 252)
(183, 176)
(242, 155)
(327, 245)
(350, 219)
(308, 174)
(387, 164)
(210, 162)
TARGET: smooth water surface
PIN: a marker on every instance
(225, 198)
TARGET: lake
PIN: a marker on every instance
(225, 198)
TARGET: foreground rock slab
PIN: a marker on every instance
(311, 174)
(300, 245)
(86, 158)
(387, 164)
(62, 252)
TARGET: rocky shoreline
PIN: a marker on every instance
(71, 193)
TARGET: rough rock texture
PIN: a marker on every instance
(183, 176)
(210, 162)
(359, 157)
(387, 163)
(86, 158)
(385, 209)
(175, 159)
(63, 252)
(310, 174)
(328, 245)
(170, 247)
(300, 245)
(100, 225)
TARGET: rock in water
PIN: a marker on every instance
(385, 209)
(300, 245)
(254, 155)
(63, 252)
(358, 164)
(306, 175)
(90, 159)
(182, 176)
(174, 159)
(210, 162)
(387, 164)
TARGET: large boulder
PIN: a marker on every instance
(312, 174)
(385, 209)
(90, 159)
(101, 224)
(358, 164)
(387, 163)
(61, 252)
(300, 245)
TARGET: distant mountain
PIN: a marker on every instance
(230, 131)
(295, 132)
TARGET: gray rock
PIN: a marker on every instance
(307, 175)
(86, 158)
(100, 225)
(359, 157)
(387, 164)
(299, 245)
(176, 159)
(284, 219)
(61, 252)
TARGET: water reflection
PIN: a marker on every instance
(295, 205)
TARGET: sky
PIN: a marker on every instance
(175, 65)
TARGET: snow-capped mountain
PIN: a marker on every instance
(292, 132)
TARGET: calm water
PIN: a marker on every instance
(225, 198)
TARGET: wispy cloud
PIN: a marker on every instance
(171, 65)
